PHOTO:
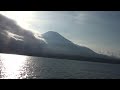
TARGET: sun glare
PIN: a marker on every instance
(21, 17)
(29, 20)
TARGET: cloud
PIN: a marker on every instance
(15, 36)
(39, 37)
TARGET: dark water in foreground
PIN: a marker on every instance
(21, 67)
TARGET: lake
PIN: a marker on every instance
(27, 67)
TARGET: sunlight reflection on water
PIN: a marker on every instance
(26, 67)
(12, 66)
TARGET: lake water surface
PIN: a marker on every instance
(27, 67)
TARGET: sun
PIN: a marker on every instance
(23, 18)
(34, 21)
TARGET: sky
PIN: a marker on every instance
(98, 30)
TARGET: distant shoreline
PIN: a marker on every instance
(88, 59)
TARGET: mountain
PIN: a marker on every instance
(16, 40)
(58, 44)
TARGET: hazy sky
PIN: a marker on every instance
(98, 30)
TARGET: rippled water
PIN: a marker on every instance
(26, 67)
